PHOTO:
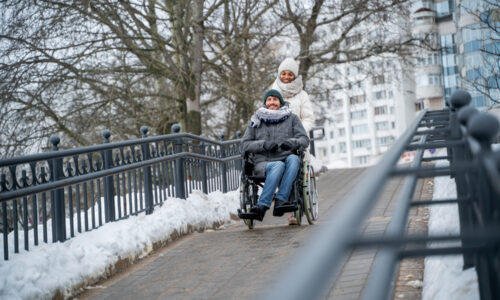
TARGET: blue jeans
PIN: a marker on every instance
(276, 171)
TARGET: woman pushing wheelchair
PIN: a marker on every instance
(273, 137)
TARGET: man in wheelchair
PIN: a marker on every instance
(273, 137)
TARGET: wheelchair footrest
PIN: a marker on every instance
(248, 215)
(280, 210)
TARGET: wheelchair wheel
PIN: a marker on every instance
(311, 198)
(246, 198)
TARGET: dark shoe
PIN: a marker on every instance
(281, 207)
(277, 205)
(260, 210)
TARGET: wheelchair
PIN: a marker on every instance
(303, 197)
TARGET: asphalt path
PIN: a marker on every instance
(237, 263)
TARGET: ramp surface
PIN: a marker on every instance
(237, 263)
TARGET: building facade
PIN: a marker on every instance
(368, 114)
(460, 52)
(465, 37)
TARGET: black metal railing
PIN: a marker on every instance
(77, 190)
(466, 134)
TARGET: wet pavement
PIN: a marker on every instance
(238, 263)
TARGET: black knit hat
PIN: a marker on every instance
(274, 93)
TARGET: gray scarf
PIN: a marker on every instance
(270, 116)
(290, 89)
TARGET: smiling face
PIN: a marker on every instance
(287, 76)
(273, 103)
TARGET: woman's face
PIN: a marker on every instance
(287, 76)
(273, 103)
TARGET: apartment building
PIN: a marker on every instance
(467, 55)
(367, 116)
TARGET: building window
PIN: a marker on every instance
(362, 160)
(342, 147)
(479, 101)
(341, 131)
(392, 110)
(358, 129)
(339, 118)
(331, 134)
(361, 144)
(431, 59)
(378, 79)
(380, 110)
(442, 9)
(382, 125)
(357, 99)
(379, 95)
(428, 79)
(393, 124)
(358, 114)
(472, 46)
(332, 149)
(385, 140)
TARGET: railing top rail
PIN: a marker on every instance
(17, 193)
(108, 146)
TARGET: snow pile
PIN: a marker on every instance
(443, 275)
(338, 164)
(40, 272)
(317, 164)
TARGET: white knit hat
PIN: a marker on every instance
(289, 64)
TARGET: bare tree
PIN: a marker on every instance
(485, 79)
(75, 68)
(241, 58)
(337, 32)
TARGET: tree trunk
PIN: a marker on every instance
(193, 114)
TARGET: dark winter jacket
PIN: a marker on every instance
(254, 138)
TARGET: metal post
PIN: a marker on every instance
(239, 163)
(109, 190)
(5, 224)
(458, 100)
(312, 150)
(204, 183)
(148, 182)
(223, 165)
(179, 165)
(59, 217)
(484, 128)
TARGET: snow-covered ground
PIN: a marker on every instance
(443, 275)
(39, 273)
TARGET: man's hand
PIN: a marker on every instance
(288, 145)
(270, 146)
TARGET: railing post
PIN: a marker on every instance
(484, 127)
(148, 182)
(204, 183)
(59, 217)
(239, 163)
(180, 192)
(458, 100)
(109, 190)
(312, 150)
(223, 165)
(5, 224)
